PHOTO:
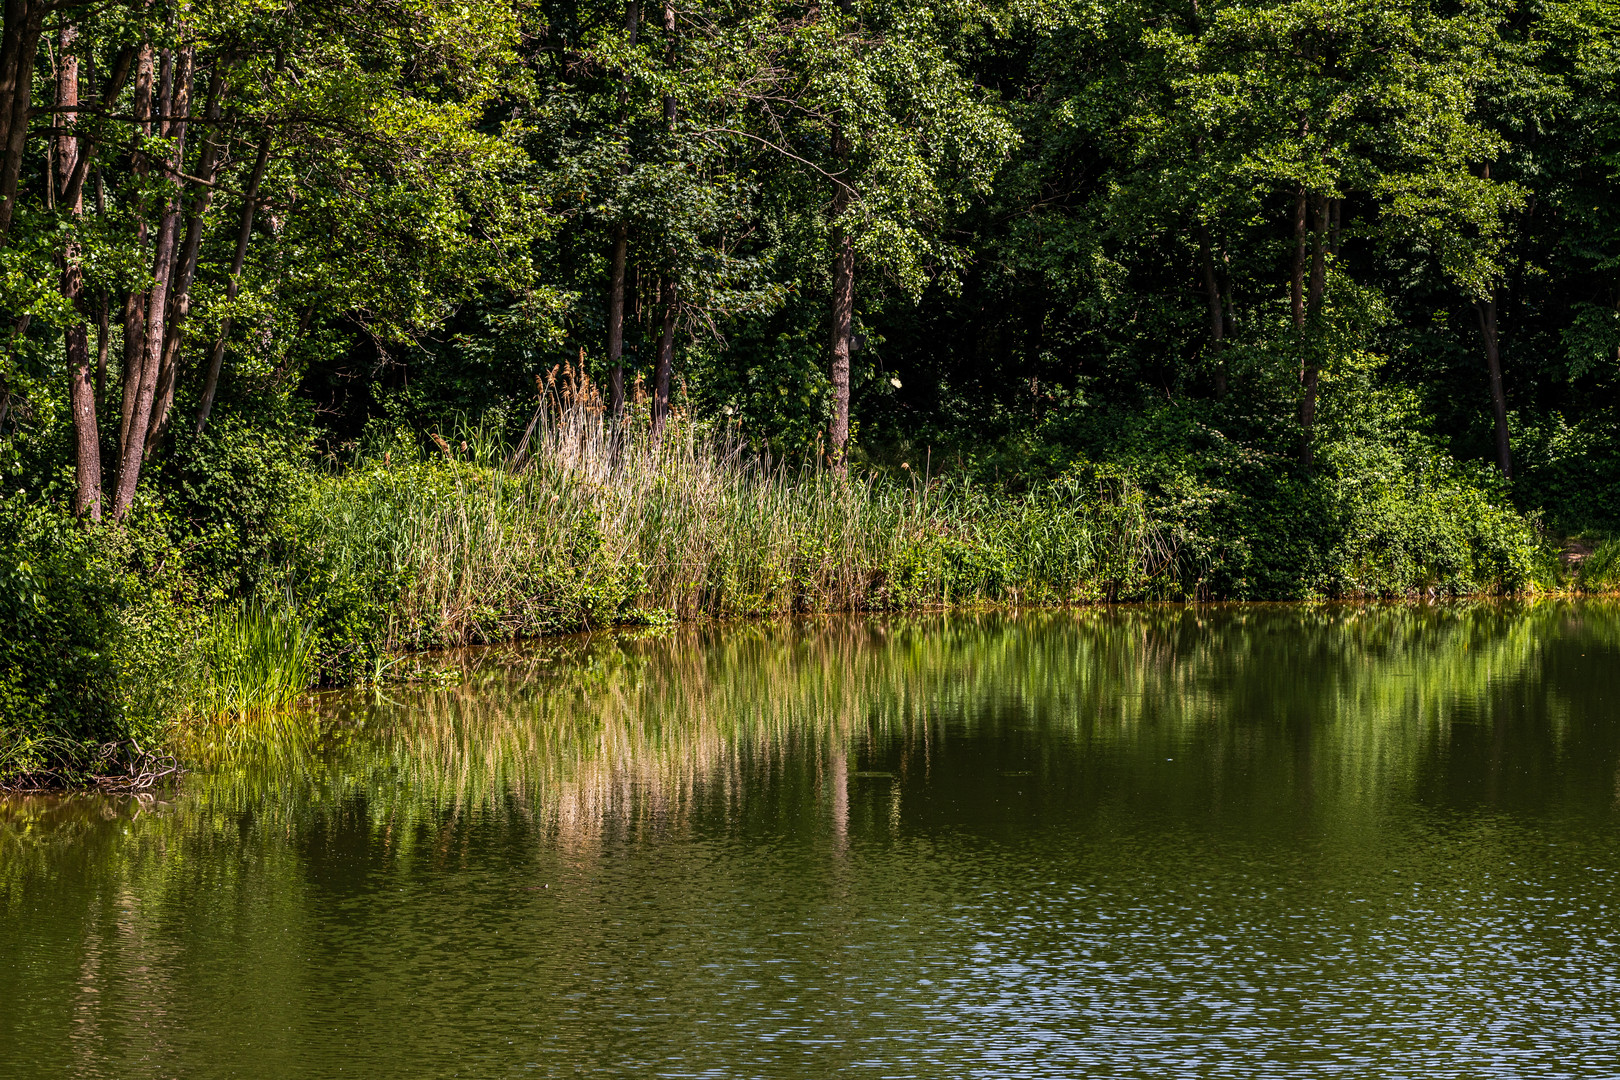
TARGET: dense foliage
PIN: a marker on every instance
(1036, 301)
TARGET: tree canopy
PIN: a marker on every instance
(1014, 235)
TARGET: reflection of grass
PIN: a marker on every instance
(588, 729)
(1350, 705)
(255, 659)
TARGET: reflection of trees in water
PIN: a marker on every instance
(1279, 708)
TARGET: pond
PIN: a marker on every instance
(1151, 842)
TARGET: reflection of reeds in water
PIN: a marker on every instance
(598, 736)
(627, 732)
(610, 732)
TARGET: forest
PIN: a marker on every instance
(336, 330)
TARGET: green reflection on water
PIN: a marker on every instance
(578, 857)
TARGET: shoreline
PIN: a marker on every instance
(159, 768)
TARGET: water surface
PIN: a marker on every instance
(1246, 842)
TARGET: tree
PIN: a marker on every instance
(864, 122)
(357, 131)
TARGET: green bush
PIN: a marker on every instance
(1571, 471)
(1424, 526)
(226, 490)
(60, 639)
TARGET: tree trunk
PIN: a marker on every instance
(615, 316)
(114, 85)
(1486, 311)
(103, 314)
(103, 317)
(1311, 372)
(664, 371)
(82, 398)
(244, 233)
(174, 103)
(843, 315)
(134, 319)
(1217, 314)
(669, 57)
(76, 343)
(621, 244)
(19, 45)
(666, 355)
(1309, 342)
(135, 300)
(185, 269)
(1319, 242)
(1298, 277)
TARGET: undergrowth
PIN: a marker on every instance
(112, 636)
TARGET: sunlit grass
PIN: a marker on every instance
(1600, 571)
(254, 659)
(596, 522)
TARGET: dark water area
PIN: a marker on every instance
(1165, 842)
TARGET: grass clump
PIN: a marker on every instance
(592, 523)
(1599, 571)
(254, 659)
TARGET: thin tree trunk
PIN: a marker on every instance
(669, 56)
(842, 302)
(1217, 313)
(666, 355)
(1311, 374)
(19, 45)
(103, 317)
(670, 293)
(103, 314)
(615, 316)
(76, 344)
(134, 319)
(1486, 312)
(843, 315)
(114, 85)
(1298, 277)
(621, 246)
(134, 315)
(174, 104)
(244, 233)
(82, 398)
(185, 269)
(843, 298)
(17, 13)
(1319, 242)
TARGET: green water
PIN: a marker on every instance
(1235, 842)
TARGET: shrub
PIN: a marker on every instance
(1572, 471)
(60, 637)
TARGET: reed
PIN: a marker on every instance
(1600, 571)
(254, 659)
(593, 520)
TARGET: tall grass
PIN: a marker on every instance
(1600, 570)
(592, 521)
(254, 659)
